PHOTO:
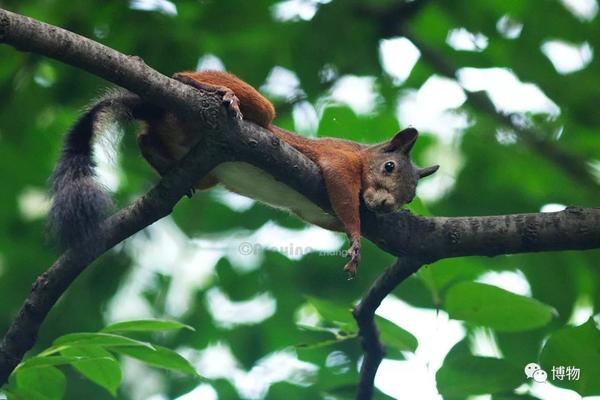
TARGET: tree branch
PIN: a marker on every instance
(434, 238)
(364, 314)
(222, 140)
(48, 288)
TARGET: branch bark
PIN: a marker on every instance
(364, 314)
(425, 239)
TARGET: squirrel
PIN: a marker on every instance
(382, 175)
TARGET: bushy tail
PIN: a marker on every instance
(79, 202)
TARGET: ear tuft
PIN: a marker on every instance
(403, 141)
(423, 172)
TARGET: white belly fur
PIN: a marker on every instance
(247, 180)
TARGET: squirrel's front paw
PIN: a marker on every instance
(354, 255)
(232, 103)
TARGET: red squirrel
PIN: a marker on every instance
(382, 175)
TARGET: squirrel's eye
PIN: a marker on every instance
(389, 166)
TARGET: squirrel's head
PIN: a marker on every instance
(390, 178)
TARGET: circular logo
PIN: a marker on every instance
(246, 248)
(540, 376)
(530, 369)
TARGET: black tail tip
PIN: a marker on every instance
(78, 209)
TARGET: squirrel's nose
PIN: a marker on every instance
(379, 202)
(382, 206)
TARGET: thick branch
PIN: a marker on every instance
(247, 142)
(364, 313)
(399, 233)
(441, 237)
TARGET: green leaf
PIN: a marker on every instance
(98, 365)
(45, 361)
(332, 312)
(322, 343)
(98, 339)
(463, 374)
(579, 347)
(25, 394)
(391, 334)
(319, 329)
(496, 308)
(48, 382)
(512, 396)
(321, 332)
(394, 336)
(444, 273)
(146, 325)
(160, 357)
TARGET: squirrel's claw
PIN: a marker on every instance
(354, 255)
(230, 100)
(350, 269)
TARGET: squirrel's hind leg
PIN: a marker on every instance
(155, 153)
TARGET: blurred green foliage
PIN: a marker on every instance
(40, 99)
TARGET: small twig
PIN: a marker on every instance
(364, 313)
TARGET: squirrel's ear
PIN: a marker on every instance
(403, 141)
(423, 172)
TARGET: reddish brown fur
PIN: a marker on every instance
(347, 167)
(253, 105)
